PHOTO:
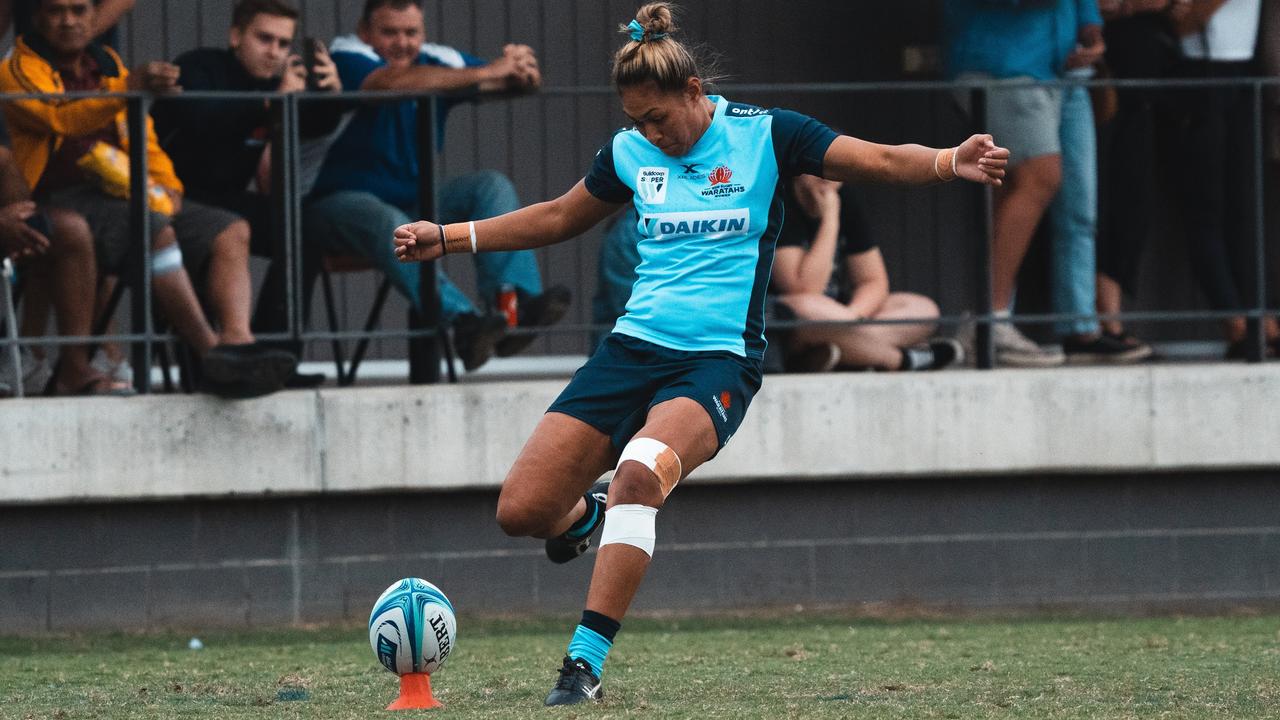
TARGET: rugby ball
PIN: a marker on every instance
(412, 628)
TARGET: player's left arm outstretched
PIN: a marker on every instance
(977, 159)
(544, 223)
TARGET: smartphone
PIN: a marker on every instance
(310, 48)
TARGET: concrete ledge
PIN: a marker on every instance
(1155, 418)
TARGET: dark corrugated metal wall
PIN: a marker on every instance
(545, 143)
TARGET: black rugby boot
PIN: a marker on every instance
(577, 684)
(573, 543)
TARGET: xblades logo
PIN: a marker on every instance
(691, 169)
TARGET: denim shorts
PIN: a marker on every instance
(627, 376)
(1025, 119)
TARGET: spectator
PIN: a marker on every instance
(85, 136)
(823, 223)
(1140, 47)
(1218, 153)
(104, 29)
(369, 183)
(1073, 215)
(220, 148)
(1014, 41)
(54, 249)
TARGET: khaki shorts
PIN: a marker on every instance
(1025, 119)
(196, 226)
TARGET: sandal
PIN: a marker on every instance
(99, 385)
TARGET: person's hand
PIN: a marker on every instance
(1111, 8)
(528, 74)
(1184, 21)
(176, 197)
(980, 160)
(516, 70)
(17, 238)
(1145, 6)
(160, 78)
(503, 71)
(294, 78)
(1090, 48)
(325, 71)
(826, 200)
(418, 242)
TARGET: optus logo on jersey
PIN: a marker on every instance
(711, 224)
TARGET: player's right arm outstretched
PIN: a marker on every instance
(544, 223)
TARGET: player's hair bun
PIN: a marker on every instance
(657, 20)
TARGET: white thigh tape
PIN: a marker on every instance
(655, 455)
(632, 525)
(166, 260)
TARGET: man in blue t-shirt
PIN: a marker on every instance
(369, 183)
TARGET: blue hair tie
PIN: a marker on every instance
(637, 32)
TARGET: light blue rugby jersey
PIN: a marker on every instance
(708, 221)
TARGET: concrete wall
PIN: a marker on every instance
(1097, 488)
(1107, 542)
(1148, 419)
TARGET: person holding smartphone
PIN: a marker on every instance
(220, 148)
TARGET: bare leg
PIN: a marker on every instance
(1019, 205)
(13, 187)
(177, 299)
(230, 291)
(111, 350)
(878, 346)
(686, 428)
(73, 275)
(542, 495)
(36, 302)
(1110, 301)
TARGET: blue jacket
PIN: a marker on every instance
(1015, 38)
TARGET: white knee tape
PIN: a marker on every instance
(166, 260)
(632, 525)
(655, 455)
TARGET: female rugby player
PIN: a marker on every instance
(670, 385)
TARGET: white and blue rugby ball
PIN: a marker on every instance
(412, 628)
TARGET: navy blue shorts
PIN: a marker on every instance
(627, 376)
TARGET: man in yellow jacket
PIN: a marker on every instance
(73, 153)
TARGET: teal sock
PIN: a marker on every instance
(592, 640)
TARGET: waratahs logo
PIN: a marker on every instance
(722, 184)
(720, 176)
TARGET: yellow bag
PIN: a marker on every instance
(110, 166)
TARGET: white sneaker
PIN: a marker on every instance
(35, 372)
(1014, 348)
(121, 371)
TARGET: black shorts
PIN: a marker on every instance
(627, 376)
(195, 225)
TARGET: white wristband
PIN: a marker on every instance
(954, 152)
(471, 225)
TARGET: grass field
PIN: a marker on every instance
(793, 666)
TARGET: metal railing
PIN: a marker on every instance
(425, 331)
